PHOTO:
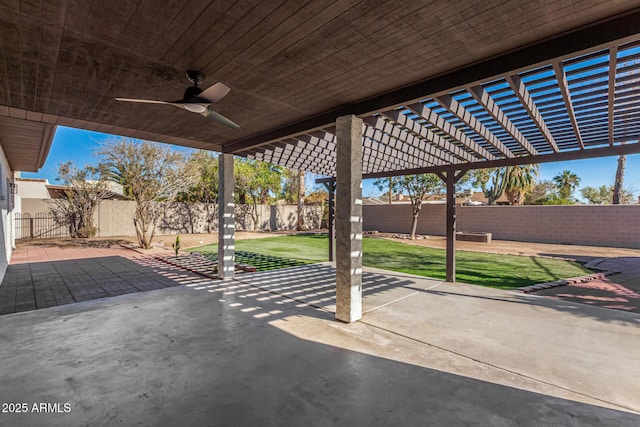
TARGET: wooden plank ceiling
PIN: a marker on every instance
(577, 107)
(289, 63)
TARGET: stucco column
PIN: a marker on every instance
(226, 218)
(348, 218)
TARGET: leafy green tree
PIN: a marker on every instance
(293, 191)
(155, 176)
(417, 187)
(602, 195)
(386, 185)
(597, 196)
(542, 193)
(255, 182)
(492, 181)
(205, 188)
(520, 180)
(566, 182)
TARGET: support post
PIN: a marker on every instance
(331, 188)
(226, 218)
(348, 218)
(451, 178)
(451, 228)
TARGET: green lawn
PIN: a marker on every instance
(498, 271)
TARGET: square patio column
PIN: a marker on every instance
(450, 178)
(226, 218)
(348, 218)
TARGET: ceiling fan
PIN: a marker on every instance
(197, 100)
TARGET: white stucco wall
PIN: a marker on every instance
(33, 189)
(7, 240)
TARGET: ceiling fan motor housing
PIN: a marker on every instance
(191, 93)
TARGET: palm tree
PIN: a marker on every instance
(617, 187)
(567, 182)
(520, 180)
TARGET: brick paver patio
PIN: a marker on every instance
(620, 291)
(40, 277)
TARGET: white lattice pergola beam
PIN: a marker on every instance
(449, 103)
(430, 136)
(409, 139)
(437, 121)
(484, 99)
(378, 156)
(519, 88)
(391, 147)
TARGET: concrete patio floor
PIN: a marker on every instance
(232, 353)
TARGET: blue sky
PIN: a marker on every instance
(80, 146)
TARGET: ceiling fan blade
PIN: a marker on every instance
(215, 93)
(220, 118)
(145, 101)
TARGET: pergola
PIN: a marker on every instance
(555, 104)
(342, 89)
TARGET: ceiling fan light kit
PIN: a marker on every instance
(196, 100)
(196, 108)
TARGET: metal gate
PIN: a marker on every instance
(42, 226)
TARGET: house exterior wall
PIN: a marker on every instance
(7, 202)
(598, 225)
(33, 189)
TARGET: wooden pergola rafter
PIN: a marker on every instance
(562, 108)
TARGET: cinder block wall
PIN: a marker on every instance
(115, 217)
(397, 218)
(599, 225)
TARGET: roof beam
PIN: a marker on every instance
(449, 103)
(613, 64)
(484, 99)
(565, 45)
(435, 120)
(590, 153)
(410, 139)
(561, 76)
(519, 88)
(401, 119)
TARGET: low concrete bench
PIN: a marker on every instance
(467, 236)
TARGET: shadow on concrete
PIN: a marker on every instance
(315, 285)
(231, 354)
(580, 309)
